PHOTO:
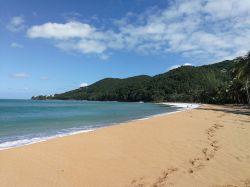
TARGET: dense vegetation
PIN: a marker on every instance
(223, 82)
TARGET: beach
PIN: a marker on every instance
(205, 146)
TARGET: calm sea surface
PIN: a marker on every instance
(26, 121)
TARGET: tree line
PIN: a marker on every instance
(219, 83)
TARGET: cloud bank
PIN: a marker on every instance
(197, 29)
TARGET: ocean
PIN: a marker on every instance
(27, 121)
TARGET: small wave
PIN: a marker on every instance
(27, 141)
(183, 105)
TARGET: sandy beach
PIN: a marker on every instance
(206, 146)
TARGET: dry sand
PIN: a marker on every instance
(207, 146)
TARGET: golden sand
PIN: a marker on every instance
(207, 146)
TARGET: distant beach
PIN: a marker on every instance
(205, 146)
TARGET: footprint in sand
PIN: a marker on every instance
(137, 183)
(208, 153)
(245, 183)
(196, 164)
(217, 126)
(162, 180)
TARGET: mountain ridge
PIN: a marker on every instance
(182, 84)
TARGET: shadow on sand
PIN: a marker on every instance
(233, 109)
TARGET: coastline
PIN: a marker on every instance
(206, 146)
(25, 142)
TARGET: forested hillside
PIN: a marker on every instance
(215, 83)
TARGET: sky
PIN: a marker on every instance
(49, 47)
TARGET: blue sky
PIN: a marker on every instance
(49, 47)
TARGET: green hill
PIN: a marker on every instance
(186, 83)
(208, 84)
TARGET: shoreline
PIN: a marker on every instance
(207, 146)
(182, 106)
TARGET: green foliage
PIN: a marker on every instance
(42, 97)
(214, 83)
(242, 72)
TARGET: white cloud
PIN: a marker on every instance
(174, 67)
(187, 64)
(177, 66)
(83, 85)
(202, 30)
(44, 78)
(72, 36)
(104, 56)
(194, 27)
(16, 45)
(21, 75)
(16, 24)
(61, 31)
(83, 46)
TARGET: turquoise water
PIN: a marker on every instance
(27, 121)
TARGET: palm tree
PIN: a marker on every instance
(242, 70)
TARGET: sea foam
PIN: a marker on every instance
(28, 141)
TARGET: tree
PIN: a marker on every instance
(242, 70)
